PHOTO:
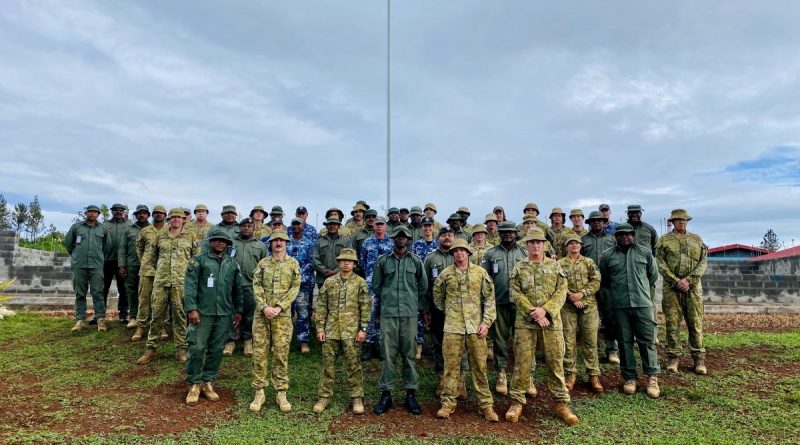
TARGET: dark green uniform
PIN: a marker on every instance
(128, 258)
(87, 246)
(435, 263)
(499, 263)
(325, 253)
(117, 232)
(247, 253)
(593, 248)
(213, 287)
(358, 239)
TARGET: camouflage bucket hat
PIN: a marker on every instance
(527, 218)
(333, 220)
(575, 212)
(534, 235)
(160, 209)
(479, 228)
(531, 205)
(347, 254)
(334, 210)
(415, 210)
(596, 214)
(356, 207)
(200, 207)
(92, 208)
(463, 209)
(258, 209)
(431, 206)
(276, 210)
(557, 211)
(119, 206)
(489, 217)
(279, 234)
(507, 226)
(142, 208)
(217, 233)
(363, 203)
(571, 238)
(624, 228)
(459, 243)
(177, 211)
(679, 214)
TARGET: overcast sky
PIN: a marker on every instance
(665, 104)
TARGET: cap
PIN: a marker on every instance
(479, 228)
(301, 209)
(572, 237)
(575, 212)
(370, 212)
(401, 230)
(361, 207)
(431, 206)
(177, 211)
(595, 214)
(246, 221)
(459, 243)
(296, 221)
(534, 235)
(445, 230)
(119, 206)
(279, 234)
(635, 208)
(380, 220)
(160, 209)
(228, 209)
(92, 208)
(276, 210)
(186, 211)
(679, 214)
(454, 217)
(272, 222)
(604, 206)
(463, 209)
(347, 254)
(531, 205)
(333, 220)
(624, 227)
(557, 211)
(258, 209)
(404, 209)
(200, 207)
(141, 208)
(393, 210)
(507, 226)
(426, 221)
(498, 209)
(217, 233)
(489, 217)
(415, 210)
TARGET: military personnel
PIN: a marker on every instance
(399, 283)
(682, 258)
(87, 243)
(212, 302)
(373, 248)
(341, 318)
(645, 236)
(610, 226)
(560, 231)
(539, 289)
(327, 250)
(169, 256)
(532, 208)
(259, 215)
(430, 211)
(479, 244)
(117, 229)
(416, 223)
(147, 273)
(422, 248)
(404, 214)
(187, 215)
(248, 251)
(338, 214)
(200, 226)
(629, 270)
(465, 294)
(455, 221)
(302, 249)
(129, 263)
(361, 205)
(309, 231)
(576, 217)
(276, 283)
(579, 314)
(530, 222)
(276, 214)
(393, 219)
(362, 234)
(436, 262)
(464, 212)
(228, 223)
(595, 242)
(357, 218)
(499, 214)
(499, 262)
(492, 235)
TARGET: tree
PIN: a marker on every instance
(35, 221)
(19, 217)
(5, 215)
(105, 211)
(770, 241)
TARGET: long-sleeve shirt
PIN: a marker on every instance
(276, 283)
(325, 253)
(679, 257)
(170, 255)
(628, 276)
(303, 251)
(144, 243)
(466, 298)
(400, 284)
(247, 254)
(536, 285)
(645, 235)
(213, 285)
(126, 253)
(499, 263)
(117, 230)
(87, 245)
(343, 308)
(372, 249)
(582, 276)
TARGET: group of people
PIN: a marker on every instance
(383, 281)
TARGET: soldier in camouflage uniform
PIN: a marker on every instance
(579, 314)
(373, 248)
(578, 227)
(129, 263)
(557, 217)
(276, 283)
(492, 235)
(532, 208)
(455, 221)
(464, 212)
(259, 215)
(87, 243)
(169, 256)
(595, 242)
(357, 219)
(302, 249)
(465, 293)
(147, 273)
(117, 229)
(530, 223)
(682, 258)
(201, 225)
(430, 211)
(539, 289)
(341, 318)
(479, 244)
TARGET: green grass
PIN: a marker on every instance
(738, 404)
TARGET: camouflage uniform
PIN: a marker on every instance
(343, 310)
(199, 231)
(247, 254)
(147, 273)
(303, 251)
(593, 248)
(678, 257)
(169, 256)
(261, 231)
(582, 276)
(310, 232)
(561, 235)
(479, 253)
(467, 300)
(275, 284)
(129, 259)
(538, 285)
(87, 246)
(371, 250)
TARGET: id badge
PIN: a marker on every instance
(233, 253)
(78, 239)
(495, 268)
(210, 282)
(435, 272)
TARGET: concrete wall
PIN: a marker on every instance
(769, 283)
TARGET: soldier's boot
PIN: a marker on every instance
(248, 348)
(283, 404)
(513, 413)
(489, 414)
(138, 334)
(569, 382)
(700, 366)
(180, 354)
(672, 364)
(440, 385)
(132, 323)
(594, 382)
(101, 325)
(419, 352)
(80, 325)
(562, 410)
(444, 412)
(208, 392)
(384, 404)
(629, 387)
(531, 392)
(321, 404)
(462, 387)
(613, 358)
(229, 348)
(304, 348)
(148, 355)
(501, 383)
(358, 405)
(163, 335)
(653, 390)
(411, 402)
(194, 395)
(258, 401)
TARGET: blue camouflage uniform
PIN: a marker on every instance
(302, 250)
(371, 250)
(311, 233)
(422, 248)
(611, 227)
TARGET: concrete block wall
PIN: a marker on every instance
(773, 282)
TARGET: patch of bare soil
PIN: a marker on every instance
(727, 323)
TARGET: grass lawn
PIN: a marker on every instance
(85, 388)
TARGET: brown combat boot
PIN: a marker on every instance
(132, 324)
(672, 365)
(358, 405)
(444, 412)
(594, 382)
(489, 414)
(700, 366)
(283, 404)
(258, 401)
(629, 387)
(490, 351)
(194, 395)
(248, 348)
(148, 355)
(513, 413)
(163, 335)
(180, 354)
(562, 410)
(101, 325)
(613, 358)
(440, 385)
(138, 334)
(229, 348)
(501, 383)
(462, 387)
(208, 392)
(569, 382)
(531, 391)
(419, 352)
(321, 404)
(653, 391)
(304, 348)
(80, 325)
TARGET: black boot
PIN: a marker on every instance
(411, 402)
(384, 403)
(366, 352)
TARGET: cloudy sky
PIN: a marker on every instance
(666, 104)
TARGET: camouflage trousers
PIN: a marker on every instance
(165, 298)
(143, 316)
(132, 290)
(83, 281)
(525, 340)
(271, 338)
(453, 346)
(352, 355)
(679, 306)
(373, 327)
(301, 310)
(580, 325)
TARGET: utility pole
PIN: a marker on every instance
(388, 104)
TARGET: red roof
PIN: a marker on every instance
(737, 246)
(792, 251)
